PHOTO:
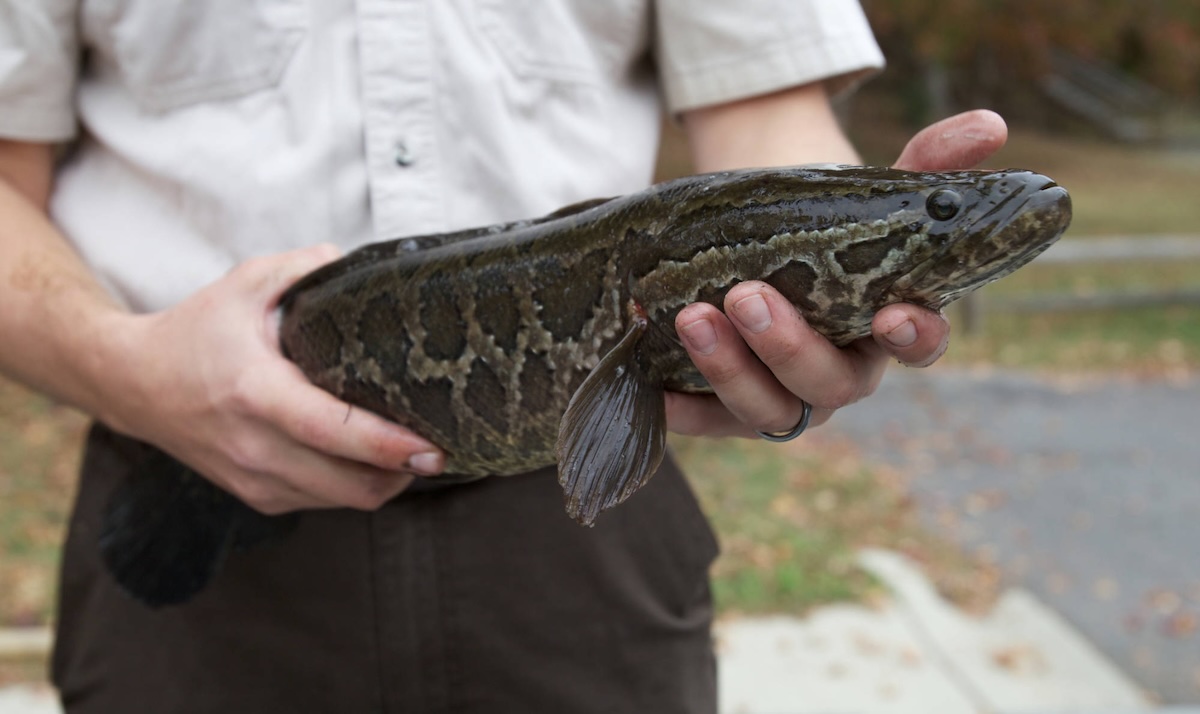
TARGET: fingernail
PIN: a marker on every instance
(701, 336)
(902, 335)
(426, 462)
(753, 313)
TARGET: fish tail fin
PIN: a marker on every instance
(167, 531)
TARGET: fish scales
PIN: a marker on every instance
(551, 340)
(491, 333)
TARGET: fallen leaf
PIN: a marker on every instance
(1105, 589)
(1163, 601)
(1019, 659)
(1181, 624)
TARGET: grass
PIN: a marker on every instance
(1144, 342)
(20, 670)
(791, 518)
(38, 464)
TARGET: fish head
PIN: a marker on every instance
(978, 227)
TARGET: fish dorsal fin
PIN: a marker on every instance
(574, 208)
(374, 253)
(612, 437)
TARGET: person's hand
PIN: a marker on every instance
(206, 381)
(764, 359)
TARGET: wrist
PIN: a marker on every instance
(113, 369)
(87, 354)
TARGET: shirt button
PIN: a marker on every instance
(403, 156)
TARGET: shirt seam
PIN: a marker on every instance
(712, 82)
(37, 123)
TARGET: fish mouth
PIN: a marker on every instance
(1024, 215)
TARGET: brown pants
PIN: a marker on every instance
(477, 598)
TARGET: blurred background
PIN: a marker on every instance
(1029, 455)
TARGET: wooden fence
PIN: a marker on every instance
(1076, 251)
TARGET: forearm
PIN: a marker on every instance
(795, 126)
(59, 327)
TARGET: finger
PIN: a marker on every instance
(274, 474)
(237, 473)
(957, 142)
(318, 420)
(337, 483)
(703, 415)
(800, 357)
(266, 278)
(275, 497)
(913, 335)
(745, 386)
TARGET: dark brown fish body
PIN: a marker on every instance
(478, 340)
(524, 344)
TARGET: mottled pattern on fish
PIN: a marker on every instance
(544, 341)
(478, 340)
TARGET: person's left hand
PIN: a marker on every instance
(763, 359)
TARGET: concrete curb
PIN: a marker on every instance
(25, 642)
(1021, 657)
(28, 699)
(917, 654)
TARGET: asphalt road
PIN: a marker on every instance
(1088, 494)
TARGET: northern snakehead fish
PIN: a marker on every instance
(552, 340)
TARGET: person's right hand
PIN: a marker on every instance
(206, 381)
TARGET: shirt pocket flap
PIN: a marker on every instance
(171, 55)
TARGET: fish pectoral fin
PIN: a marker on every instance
(613, 435)
(167, 531)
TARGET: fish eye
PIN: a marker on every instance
(943, 204)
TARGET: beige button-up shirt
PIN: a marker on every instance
(214, 130)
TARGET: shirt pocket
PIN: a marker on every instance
(565, 41)
(173, 54)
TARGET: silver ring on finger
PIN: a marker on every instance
(796, 430)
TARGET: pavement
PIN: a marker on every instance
(1084, 491)
(28, 699)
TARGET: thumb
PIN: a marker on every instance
(270, 276)
(957, 142)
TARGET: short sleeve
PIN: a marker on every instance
(39, 62)
(714, 51)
